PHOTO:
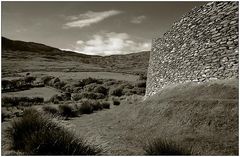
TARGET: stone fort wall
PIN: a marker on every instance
(201, 46)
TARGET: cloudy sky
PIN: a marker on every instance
(101, 28)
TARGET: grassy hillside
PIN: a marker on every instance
(20, 56)
(203, 117)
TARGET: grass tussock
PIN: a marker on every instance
(96, 105)
(86, 107)
(117, 91)
(50, 110)
(159, 146)
(141, 84)
(101, 89)
(116, 102)
(23, 101)
(37, 134)
(56, 99)
(106, 105)
(88, 81)
(6, 115)
(66, 110)
(87, 95)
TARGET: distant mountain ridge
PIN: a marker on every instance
(8, 44)
(17, 45)
(31, 54)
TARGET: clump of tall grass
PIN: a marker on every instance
(101, 89)
(56, 99)
(23, 101)
(50, 109)
(141, 84)
(105, 105)
(116, 102)
(37, 134)
(67, 111)
(88, 81)
(159, 146)
(87, 95)
(117, 91)
(86, 107)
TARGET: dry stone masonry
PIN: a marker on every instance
(201, 46)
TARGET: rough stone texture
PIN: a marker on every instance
(201, 46)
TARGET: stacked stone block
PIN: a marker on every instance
(201, 46)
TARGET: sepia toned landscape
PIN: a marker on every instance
(173, 93)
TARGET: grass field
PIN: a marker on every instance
(45, 92)
(201, 116)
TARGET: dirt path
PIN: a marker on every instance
(111, 129)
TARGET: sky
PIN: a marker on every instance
(95, 28)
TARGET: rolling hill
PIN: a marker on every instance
(21, 56)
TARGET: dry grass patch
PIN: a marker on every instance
(159, 146)
(37, 134)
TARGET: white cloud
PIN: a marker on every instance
(80, 42)
(138, 19)
(110, 43)
(89, 18)
(65, 49)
